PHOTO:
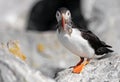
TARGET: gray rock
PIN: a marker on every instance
(102, 70)
(12, 69)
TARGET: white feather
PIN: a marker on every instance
(76, 43)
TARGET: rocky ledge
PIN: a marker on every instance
(101, 70)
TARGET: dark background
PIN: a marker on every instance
(42, 16)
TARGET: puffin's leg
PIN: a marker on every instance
(81, 60)
(79, 63)
(78, 68)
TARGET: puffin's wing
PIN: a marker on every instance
(93, 40)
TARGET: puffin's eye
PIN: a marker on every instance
(57, 14)
(68, 13)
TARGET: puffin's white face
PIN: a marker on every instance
(63, 15)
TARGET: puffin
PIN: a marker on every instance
(81, 42)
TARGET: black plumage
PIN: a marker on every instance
(99, 46)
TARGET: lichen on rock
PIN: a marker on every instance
(14, 48)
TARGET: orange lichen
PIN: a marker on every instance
(14, 48)
(40, 47)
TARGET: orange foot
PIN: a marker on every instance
(77, 69)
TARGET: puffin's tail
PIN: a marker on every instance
(105, 45)
(103, 50)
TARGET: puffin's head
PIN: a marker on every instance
(63, 16)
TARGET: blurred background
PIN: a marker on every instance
(33, 22)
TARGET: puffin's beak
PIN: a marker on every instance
(63, 21)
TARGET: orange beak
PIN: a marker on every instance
(63, 22)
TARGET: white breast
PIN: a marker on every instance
(76, 44)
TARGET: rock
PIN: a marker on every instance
(12, 69)
(102, 70)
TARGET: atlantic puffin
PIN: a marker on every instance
(81, 42)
